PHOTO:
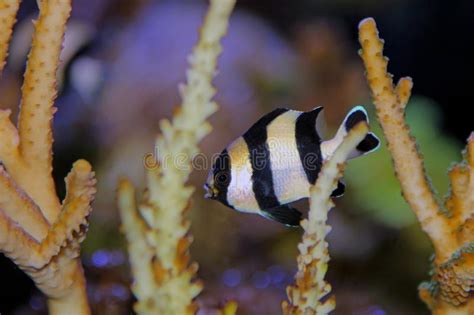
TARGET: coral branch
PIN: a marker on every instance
(135, 231)
(9, 147)
(15, 242)
(41, 259)
(403, 90)
(38, 233)
(38, 94)
(309, 295)
(20, 208)
(407, 161)
(75, 297)
(452, 283)
(461, 201)
(164, 229)
(76, 207)
(8, 10)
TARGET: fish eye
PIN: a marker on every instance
(221, 178)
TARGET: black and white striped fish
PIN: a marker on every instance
(276, 161)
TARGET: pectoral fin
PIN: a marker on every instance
(283, 214)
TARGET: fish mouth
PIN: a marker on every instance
(209, 192)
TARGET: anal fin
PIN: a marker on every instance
(340, 189)
(283, 214)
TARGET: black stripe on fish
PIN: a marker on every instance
(259, 155)
(222, 176)
(308, 143)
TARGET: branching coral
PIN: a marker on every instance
(158, 233)
(8, 9)
(309, 295)
(451, 231)
(40, 234)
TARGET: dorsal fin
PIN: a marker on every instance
(312, 115)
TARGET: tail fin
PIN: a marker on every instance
(369, 144)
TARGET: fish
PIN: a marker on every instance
(277, 160)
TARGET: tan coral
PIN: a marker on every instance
(8, 10)
(40, 234)
(158, 232)
(450, 291)
(309, 295)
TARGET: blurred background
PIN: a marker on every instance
(121, 66)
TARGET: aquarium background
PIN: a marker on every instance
(119, 78)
